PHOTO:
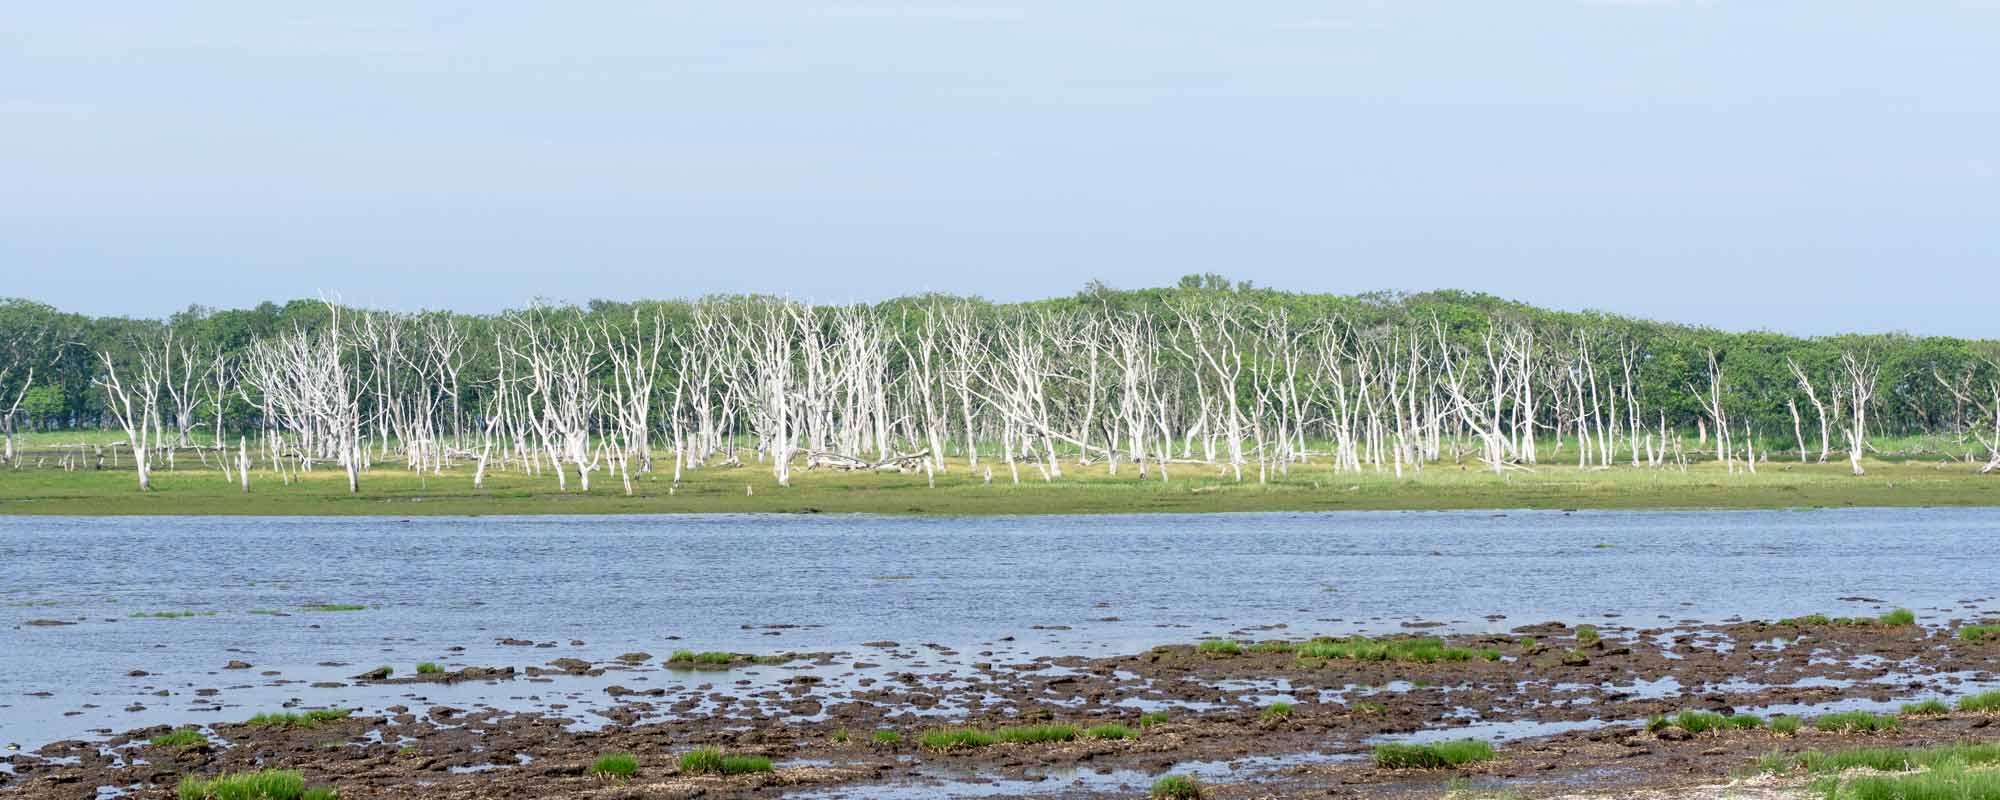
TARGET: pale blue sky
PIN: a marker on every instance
(1804, 165)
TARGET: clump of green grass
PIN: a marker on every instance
(1110, 731)
(1901, 759)
(710, 761)
(1272, 647)
(1855, 722)
(1785, 726)
(171, 614)
(1528, 643)
(620, 765)
(1901, 616)
(949, 739)
(287, 719)
(1175, 787)
(1370, 708)
(1975, 633)
(185, 737)
(1154, 718)
(1946, 783)
(840, 736)
(268, 612)
(334, 607)
(1586, 634)
(712, 657)
(1490, 653)
(1926, 708)
(1984, 701)
(269, 784)
(1704, 721)
(888, 737)
(1219, 647)
(1276, 711)
(1437, 755)
(1361, 648)
(429, 668)
(320, 793)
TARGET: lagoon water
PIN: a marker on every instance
(1087, 585)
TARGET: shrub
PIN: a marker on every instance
(1432, 756)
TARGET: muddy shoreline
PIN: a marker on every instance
(1566, 711)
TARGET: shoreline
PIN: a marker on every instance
(1253, 713)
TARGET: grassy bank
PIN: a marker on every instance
(392, 490)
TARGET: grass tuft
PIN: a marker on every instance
(334, 607)
(1219, 647)
(1855, 722)
(888, 737)
(1926, 708)
(1276, 711)
(1110, 731)
(710, 761)
(1586, 634)
(287, 719)
(1901, 616)
(269, 784)
(1423, 650)
(1151, 719)
(1975, 633)
(185, 737)
(1984, 701)
(1437, 755)
(950, 739)
(429, 668)
(712, 657)
(620, 765)
(1175, 787)
(1785, 726)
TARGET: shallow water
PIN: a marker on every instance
(1075, 585)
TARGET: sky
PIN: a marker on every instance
(1807, 166)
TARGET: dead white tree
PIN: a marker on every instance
(1860, 372)
(133, 398)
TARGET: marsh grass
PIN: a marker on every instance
(1422, 650)
(1705, 721)
(620, 765)
(171, 614)
(334, 607)
(1219, 647)
(1901, 616)
(950, 739)
(709, 658)
(710, 761)
(888, 737)
(1947, 783)
(1175, 787)
(1785, 726)
(1984, 701)
(429, 668)
(1976, 633)
(269, 784)
(309, 719)
(1855, 722)
(1925, 708)
(1276, 711)
(1437, 755)
(185, 737)
(1110, 731)
(1154, 718)
(1370, 708)
(1490, 653)
(1272, 647)
(1586, 634)
(1898, 617)
(1900, 759)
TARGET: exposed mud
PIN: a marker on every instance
(1567, 715)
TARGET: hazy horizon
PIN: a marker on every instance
(1807, 168)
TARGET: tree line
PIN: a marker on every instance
(1244, 379)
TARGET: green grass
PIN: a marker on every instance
(1704, 721)
(320, 793)
(710, 761)
(334, 607)
(1370, 708)
(712, 657)
(388, 490)
(1786, 726)
(185, 737)
(269, 784)
(949, 739)
(1984, 701)
(1855, 722)
(1438, 755)
(1220, 647)
(1926, 708)
(1899, 759)
(309, 719)
(621, 765)
(888, 737)
(1948, 783)
(1275, 711)
(1977, 633)
(1898, 617)
(1110, 731)
(1175, 787)
(1423, 650)
(1490, 653)
(429, 668)
(1586, 634)
(1151, 719)
(1901, 616)
(171, 614)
